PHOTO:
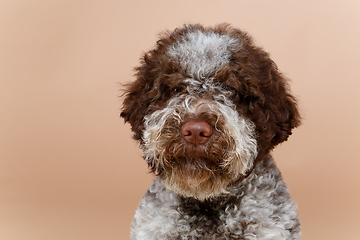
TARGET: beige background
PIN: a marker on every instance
(68, 167)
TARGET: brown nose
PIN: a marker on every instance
(196, 132)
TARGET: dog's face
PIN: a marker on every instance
(206, 106)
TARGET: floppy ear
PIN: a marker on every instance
(145, 90)
(132, 109)
(264, 96)
(276, 113)
(136, 100)
(282, 106)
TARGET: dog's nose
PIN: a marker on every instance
(196, 132)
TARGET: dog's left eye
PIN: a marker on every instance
(231, 92)
(177, 90)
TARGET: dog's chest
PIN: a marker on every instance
(165, 215)
(215, 218)
(258, 208)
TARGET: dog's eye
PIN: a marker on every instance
(233, 95)
(177, 90)
(231, 92)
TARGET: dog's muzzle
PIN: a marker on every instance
(199, 145)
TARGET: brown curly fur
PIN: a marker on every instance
(259, 91)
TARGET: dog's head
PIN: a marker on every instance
(206, 106)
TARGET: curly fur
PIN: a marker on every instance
(257, 208)
(168, 153)
(228, 187)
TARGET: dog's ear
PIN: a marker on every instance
(137, 98)
(276, 112)
(132, 109)
(264, 96)
(148, 87)
(282, 106)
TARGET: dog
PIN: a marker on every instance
(207, 107)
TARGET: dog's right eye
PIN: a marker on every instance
(231, 92)
(177, 90)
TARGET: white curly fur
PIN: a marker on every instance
(202, 53)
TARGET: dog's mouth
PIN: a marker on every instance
(207, 156)
(200, 175)
(198, 170)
